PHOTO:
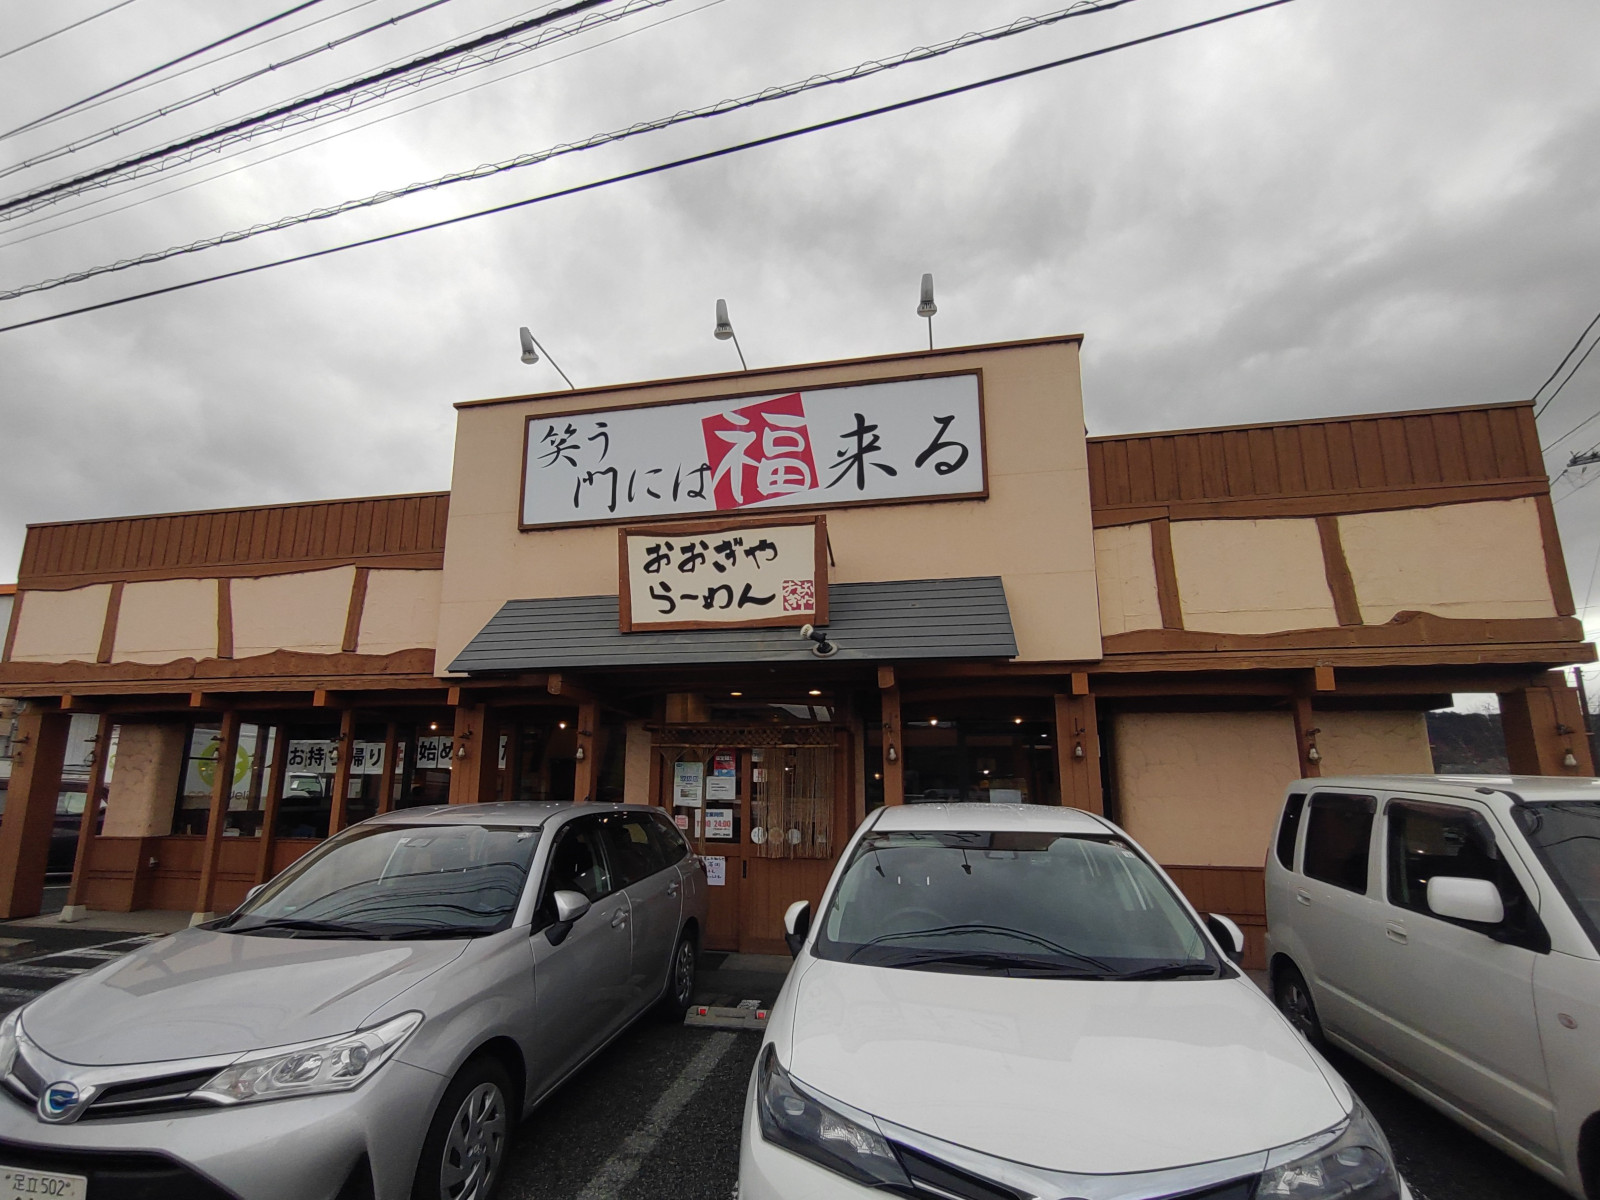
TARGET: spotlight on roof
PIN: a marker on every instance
(823, 648)
(927, 308)
(530, 354)
(724, 331)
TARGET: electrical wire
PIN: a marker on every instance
(864, 70)
(1538, 411)
(182, 58)
(64, 29)
(661, 168)
(339, 98)
(210, 93)
(1557, 392)
(321, 140)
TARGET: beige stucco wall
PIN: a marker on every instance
(167, 619)
(1033, 530)
(1458, 560)
(144, 780)
(1125, 571)
(305, 611)
(401, 611)
(1373, 743)
(1203, 789)
(1251, 576)
(61, 626)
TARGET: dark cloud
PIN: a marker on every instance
(1330, 207)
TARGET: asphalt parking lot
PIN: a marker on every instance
(657, 1114)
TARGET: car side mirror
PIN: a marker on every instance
(1461, 899)
(570, 906)
(1226, 932)
(251, 894)
(796, 925)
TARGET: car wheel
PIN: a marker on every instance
(680, 979)
(1294, 1001)
(465, 1149)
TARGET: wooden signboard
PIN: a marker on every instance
(724, 575)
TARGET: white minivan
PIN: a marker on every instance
(1446, 931)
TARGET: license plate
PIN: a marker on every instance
(17, 1184)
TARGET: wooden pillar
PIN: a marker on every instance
(37, 754)
(1078, 750)
(89, 826)
(1544, 724)
(472, 770)
(341, 773)
(894, 749)
(391, 742)
(587, 769)
(269, 805)
(221, 790)
(1305, 738)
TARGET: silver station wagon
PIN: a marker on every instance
(373, 1023)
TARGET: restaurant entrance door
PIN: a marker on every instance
(768, 808)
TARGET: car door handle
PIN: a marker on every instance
(1302, 895)
(619, 918)
(672, 888)
(1395, 933)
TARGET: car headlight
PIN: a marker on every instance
(336, 1065)
(795, 1119)
(1352, 1162)
(8, 1041)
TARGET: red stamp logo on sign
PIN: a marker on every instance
(760, 451)
(799, 595)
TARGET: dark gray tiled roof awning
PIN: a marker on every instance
(872, 622)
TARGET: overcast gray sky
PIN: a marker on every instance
(1334, 206)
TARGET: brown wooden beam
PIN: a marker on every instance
(197, 699)
(217, 819)
(1167, 595)
(224, 618)
(587, 770)
(358, 604)
(321, 698)
(108, 629)
(894, 777)
(269, 807)
(1544, 727)
(1078, 752)
(339, 809)
(1322, 677)
(89, 824)
(885, 675)
(1336, 568)
(1555, 562)
(1305, 738)
(11, 626)
(37, 752)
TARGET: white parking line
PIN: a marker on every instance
(622, 1166)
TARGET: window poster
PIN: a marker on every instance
(688, 784)
(719, 824)
(716, 870)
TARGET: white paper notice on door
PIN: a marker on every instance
(716, 871)
(722, 787)
(688, 784)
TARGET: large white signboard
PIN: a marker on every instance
(872, 443)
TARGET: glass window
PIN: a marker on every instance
(1338, 838)
(1566, 837)
(791, 802)
(630, 849)
(399, 881)
(1435, 839)
(976, 758)
(1289, 828)
(578, 864)
(1014, 903)
(668, 839)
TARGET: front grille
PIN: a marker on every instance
(144, 1096)
(117, 1176)
(933, 1178)
(1239, 1189)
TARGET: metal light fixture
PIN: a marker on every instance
(927, 308)
(890, 754)
(1077, 750)
(461, 750)
(531, 350)
(724, 331)
(823, 648)
(1313, 755)
(579, 753)
(1569, 759)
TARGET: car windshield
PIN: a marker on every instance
(397, 881)
(1566, 836)
(1012, 903)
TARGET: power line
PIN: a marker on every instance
(117, 87)
(1563, 384)
(339, 133)
(1563, 363)
(209, 93)
(846, 75)
(64, 29)
(660, 168)
(27, 201)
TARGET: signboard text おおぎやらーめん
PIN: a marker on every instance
(869, 443)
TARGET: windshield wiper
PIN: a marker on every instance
(300, 925)
(419, 932)
(1020, 935)
(1172, 970)
(1008, 964)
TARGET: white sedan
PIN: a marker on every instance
(1006, 1002)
